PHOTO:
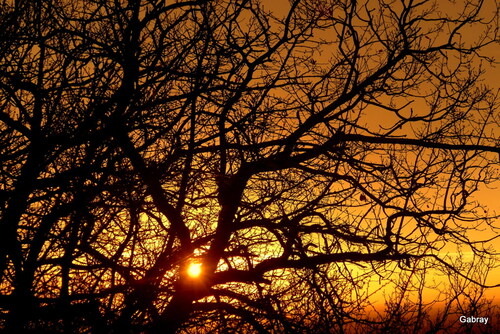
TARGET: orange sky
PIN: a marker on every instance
(488, 197)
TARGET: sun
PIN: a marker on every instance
(194, 270)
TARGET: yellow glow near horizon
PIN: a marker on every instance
(194, 270)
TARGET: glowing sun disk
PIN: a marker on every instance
(194, 270)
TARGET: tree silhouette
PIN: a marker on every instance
(294, 153)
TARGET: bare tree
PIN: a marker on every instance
(292, 154)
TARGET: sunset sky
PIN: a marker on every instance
(259, 166)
